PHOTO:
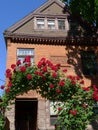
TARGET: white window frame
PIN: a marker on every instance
(23, 52)
(40, 23)
(44, 24)
(51, 24)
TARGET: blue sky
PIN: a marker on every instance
(11, 11)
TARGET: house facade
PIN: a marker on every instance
(48, 32)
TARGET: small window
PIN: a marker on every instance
(53, 114)
(89, 63)
(40, 23)
(22, 53)
(51, 24)
(61, 24)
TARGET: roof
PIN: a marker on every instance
(23, 31)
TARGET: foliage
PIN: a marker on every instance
(2, 121)
(86, 9)
(52, 83)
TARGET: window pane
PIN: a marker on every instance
(40, 24)
(53, 120)
(51, 24)
(22, 53)
(89, 63)
(25, 52)
(61, 24)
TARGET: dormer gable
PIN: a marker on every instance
(51, 7)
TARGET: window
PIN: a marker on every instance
(53, 115)
(61, 24)
(23, 52)
(40, 23)
(89, 63)
(51, 24)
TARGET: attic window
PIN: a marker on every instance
(51, 24)
(40, 23)
(61, 24)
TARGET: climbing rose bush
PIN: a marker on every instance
(72, 101)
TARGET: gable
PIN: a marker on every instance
(50, 9)
(53, 9)
(51, 6)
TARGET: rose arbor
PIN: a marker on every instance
(73, 102)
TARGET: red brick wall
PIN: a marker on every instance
(56, 53)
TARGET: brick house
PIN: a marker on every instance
(48, 32)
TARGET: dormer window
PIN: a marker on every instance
(61, 24)
(51, 24)
(40, 24)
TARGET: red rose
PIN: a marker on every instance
(73, 82)
(71, 77)
(49, 63)
(58, 66)
(8, 75)
(86, 88)
(51, 86)
(95, 95)
(27, 59)
(82, 82)
(55, 68)
(13, 66)
(65, 70)
(61, 83)
(8, 70)
(29, 76)
(54, 75)
(22, 68)
(95, 88)
(59, 108)
(38, 73)
(29, 64)
(7, 90)
(73, 112)
(58, 90)
(18, 62)
(77, 78)
(10, 84)
(44, 69)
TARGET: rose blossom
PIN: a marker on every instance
(13, 66)
(22, 68)
(73, 112)
(29, 76)
(54, 75)
(10, 84)
(86, 88)
(58, 90)
(7, 90)
(59, 108)
(18, 62)
(61, 83)
(51, 86)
